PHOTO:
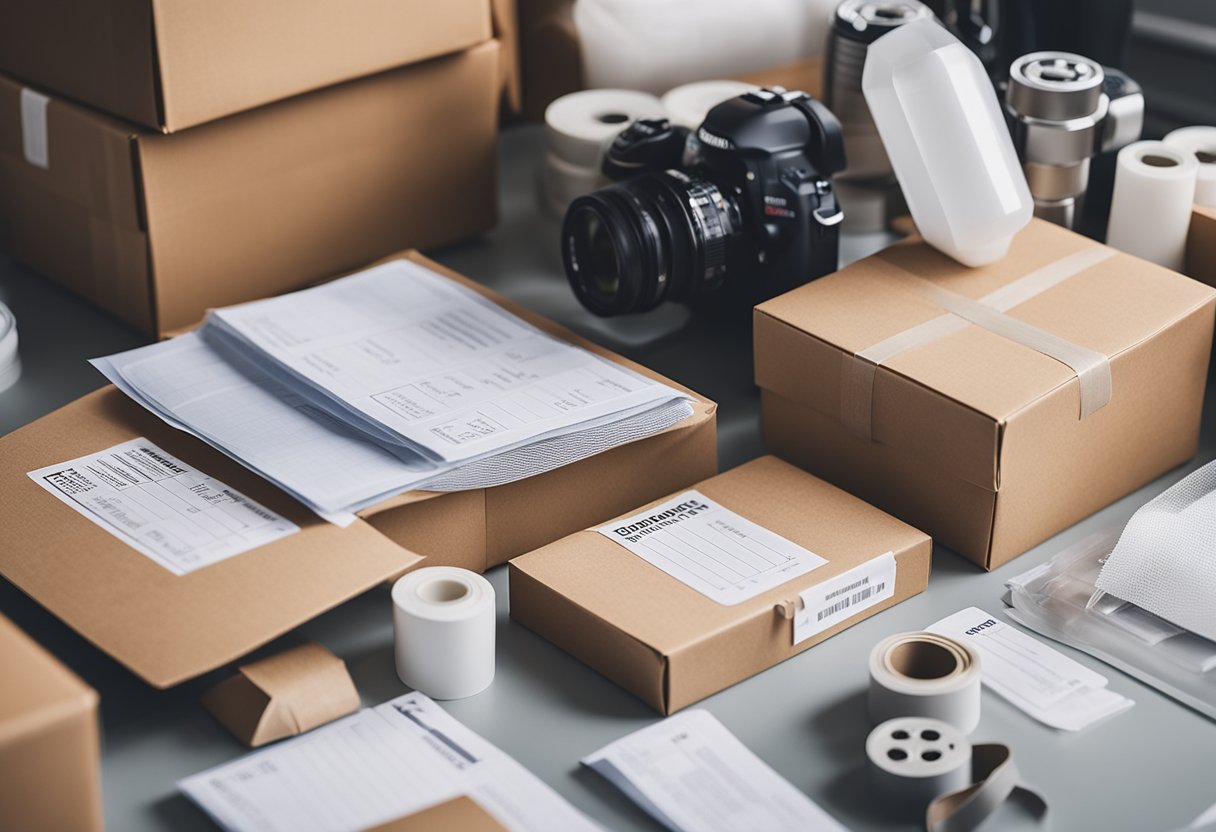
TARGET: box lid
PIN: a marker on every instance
(37, 689)
(646, 604)
(164, 627)
(946, 401)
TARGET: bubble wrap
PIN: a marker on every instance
(1165, 560)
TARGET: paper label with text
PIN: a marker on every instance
(719, 553)
(827, 604)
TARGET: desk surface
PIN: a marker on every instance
(1152, 768)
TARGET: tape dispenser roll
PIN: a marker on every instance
(580, 126)
(443, 622)
(925, 675)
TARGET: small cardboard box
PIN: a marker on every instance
(670, 645)
(460, 813)
(169, 64)
(1201, 245)
(168, 628)
(972, 435)
(50, 776)
(157, 228)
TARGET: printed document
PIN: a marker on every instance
(171, 512)
(692, 775)
(374, 766)
(717, 552)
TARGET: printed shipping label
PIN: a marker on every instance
(177, 516)
(720, 554)
(827, 604)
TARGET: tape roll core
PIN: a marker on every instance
(925, 675)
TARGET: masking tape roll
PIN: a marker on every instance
(1201, 142)
(1150, 211)
(443, 621)
(925, 675)
(688, 105)
(580, 126)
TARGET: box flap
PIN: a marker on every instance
(611, 583)
(168, 628)
(37, 689)
(211, 68)
(945, 401)
(1201, 245)
(462, 813)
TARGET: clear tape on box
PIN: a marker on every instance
(1053, 599)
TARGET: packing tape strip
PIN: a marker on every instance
(925, 675)
(1092, 367)
(580, 126)
(919, 762)
(34, 143)
(1201, 141)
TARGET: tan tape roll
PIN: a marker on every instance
(925, 675)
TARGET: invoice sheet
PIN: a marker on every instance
(374, 766)
(692, 775)
(434, 363)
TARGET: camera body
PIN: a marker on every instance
(748, 214)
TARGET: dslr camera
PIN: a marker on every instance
(739, 211)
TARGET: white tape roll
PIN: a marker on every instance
(561, 182)
(913, 760)
(1201, 142)
(687, 106)
(1150, 212)
(443, 620)
(580, 126)
(925, 675)
(10, 360)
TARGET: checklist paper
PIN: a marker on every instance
(692, 775)
(717, 552)
(168, 510)
(372, 767)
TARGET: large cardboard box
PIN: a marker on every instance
(50, 777)
(969, 434)
(1201, 245)
(670, 645)
(168, 628)
(173, 64)
(157, 228)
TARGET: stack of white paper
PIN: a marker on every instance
(391, 379)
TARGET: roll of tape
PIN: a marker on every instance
(687, 105)
(10, 360)
(1201, 143)
(925, 675)
(1150, 211)
(443, 621)
(561, 182)
(580, 126)
(914, 760)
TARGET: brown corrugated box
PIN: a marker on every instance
(975, 438)
(50, 777)
(670, 645)
(1201, 245)
(460, 814)
(173, 64)
(168, 628)
(155, 229)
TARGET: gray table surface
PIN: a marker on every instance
(1152, 768)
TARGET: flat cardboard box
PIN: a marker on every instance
(173, 64)
(1201, 245)
(670, 645)
(460, 814)
(157, 228)
(50, 776)
(167, 629)
(975, 438)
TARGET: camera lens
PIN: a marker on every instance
(660, 236)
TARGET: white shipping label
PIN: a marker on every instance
(177, 516)
(827, 604)
(34, 141)
(720, 554)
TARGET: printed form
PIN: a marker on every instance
(433, 364)
(692, 775)
(719, 553)
(171, 512)
(371, 767)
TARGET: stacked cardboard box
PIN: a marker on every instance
(160, 164)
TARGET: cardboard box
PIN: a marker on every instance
(50, 777)
(167, 628)
(973, 436)
(1201, 245)
(460, 813)
(670, 645)
(169, 64)
(155, 229)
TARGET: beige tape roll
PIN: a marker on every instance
(925, 675)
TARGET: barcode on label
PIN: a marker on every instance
(848, 601)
